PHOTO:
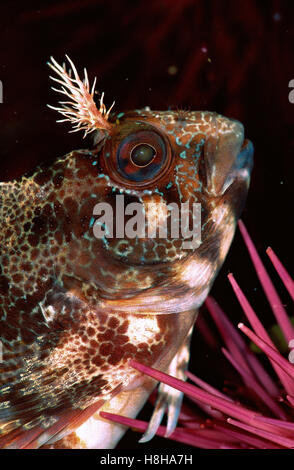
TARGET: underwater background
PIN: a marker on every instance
(233, 57)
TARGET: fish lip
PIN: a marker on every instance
(242, 167)
(245, 159)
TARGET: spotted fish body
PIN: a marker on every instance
(76, 308)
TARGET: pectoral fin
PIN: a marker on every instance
(169, 397)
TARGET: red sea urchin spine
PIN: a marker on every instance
(288, 282)
(268, 287)
(228, 423)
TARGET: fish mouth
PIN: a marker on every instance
(245, 157)
(227, 155)
(243, 165)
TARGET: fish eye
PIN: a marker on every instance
(137, 154)
(143, 154)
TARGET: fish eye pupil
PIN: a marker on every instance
(142, 155)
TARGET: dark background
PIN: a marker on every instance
(234, 57)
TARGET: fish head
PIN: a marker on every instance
(161, 194)
(168, 190)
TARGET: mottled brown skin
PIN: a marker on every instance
(75, 309)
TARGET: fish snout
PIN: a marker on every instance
(227, 155)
